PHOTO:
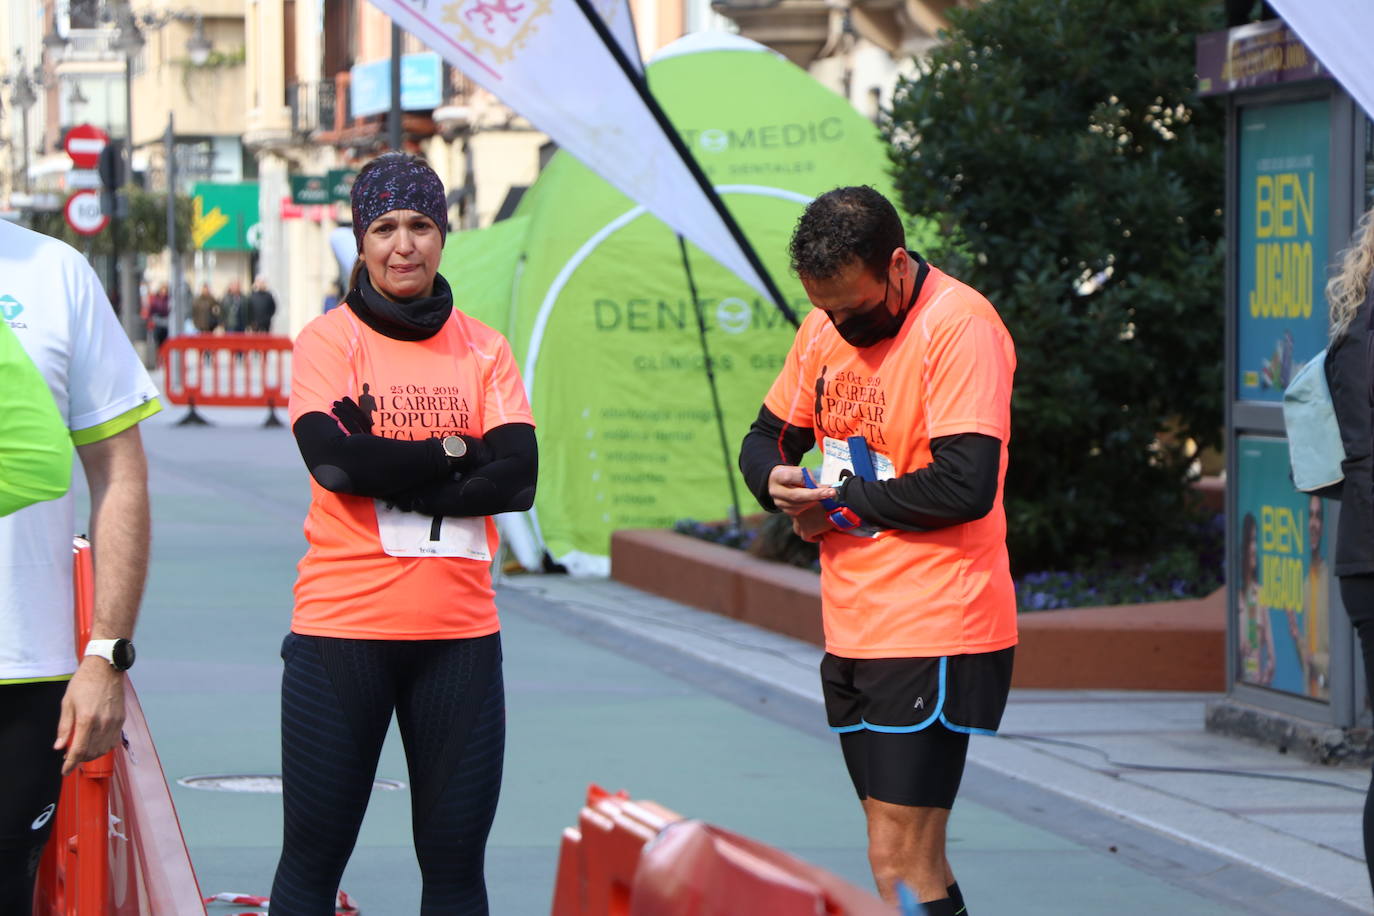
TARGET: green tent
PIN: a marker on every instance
(592, 293)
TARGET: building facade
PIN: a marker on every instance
(317, 106)
(155, 77)
(287, 98)
(858, 48)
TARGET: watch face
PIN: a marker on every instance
(123, 654)
(455, 447)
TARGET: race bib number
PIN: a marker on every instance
(409, 534)
(839, 464)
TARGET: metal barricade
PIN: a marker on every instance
(227, 370)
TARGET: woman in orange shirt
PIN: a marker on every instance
(414, 423)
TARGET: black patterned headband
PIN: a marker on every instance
(397, 182)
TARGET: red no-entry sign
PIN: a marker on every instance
(84, 143)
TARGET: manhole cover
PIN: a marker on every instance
(263, 783)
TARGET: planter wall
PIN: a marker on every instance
(1171, 645)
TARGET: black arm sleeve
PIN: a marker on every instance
(504, 484)
(769, 443)
(365, 465)
(959, 485)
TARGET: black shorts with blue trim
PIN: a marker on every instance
(904, 723)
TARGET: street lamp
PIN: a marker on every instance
(53, 42)
(131, 26)
(23, 95)
(198, 46)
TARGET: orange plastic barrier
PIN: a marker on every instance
(695, 869)
(598, 858)
(637, 858)
(73, 877)
(227, 370)
(116, 847)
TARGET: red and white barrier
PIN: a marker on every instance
(227, 370)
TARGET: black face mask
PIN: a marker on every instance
(871, 327)
(878, 324)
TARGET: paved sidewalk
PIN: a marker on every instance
(1130, 773)
(707, 716)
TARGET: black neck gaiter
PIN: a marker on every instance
(415, 319)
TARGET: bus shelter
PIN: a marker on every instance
(1299, 173)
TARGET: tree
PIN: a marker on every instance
(144, 231)
(1078, 183)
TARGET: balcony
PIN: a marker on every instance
(314, 107)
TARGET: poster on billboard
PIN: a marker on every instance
(1282, 600)
(1281, 243)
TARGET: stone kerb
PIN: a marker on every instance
(1170, 645)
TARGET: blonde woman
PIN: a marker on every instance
(1348, 375)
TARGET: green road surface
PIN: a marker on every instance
(228, 502)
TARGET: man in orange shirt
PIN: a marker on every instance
(902, 376)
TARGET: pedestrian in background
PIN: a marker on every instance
(262, 305)
(205, 310)
(1349, 374)
(234, 309)
(414, 424)
(902, 375)
(158, 315)
(56, 712)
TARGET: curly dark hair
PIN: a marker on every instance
(842, 225)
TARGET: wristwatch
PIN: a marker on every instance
(118, 652)
(455, 447)
(840, 515)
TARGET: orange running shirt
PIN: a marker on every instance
(461, 380)
(948, 371)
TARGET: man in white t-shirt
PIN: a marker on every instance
(54, 712)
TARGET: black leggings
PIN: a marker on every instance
(1357, 594)
(337, 700)
(30, 780)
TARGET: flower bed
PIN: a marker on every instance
(1163, 645)
(1194, 568)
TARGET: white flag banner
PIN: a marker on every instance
(616, 15)
(546, 60)
(1338, 32)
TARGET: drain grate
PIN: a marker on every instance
(263, 783)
